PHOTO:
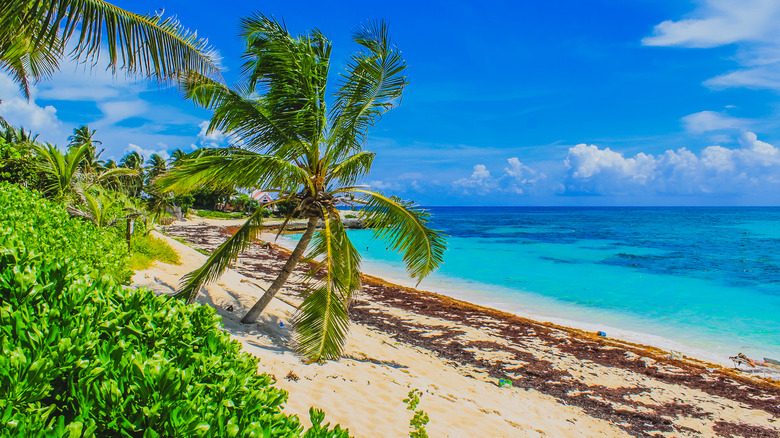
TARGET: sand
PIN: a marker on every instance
(566, 383)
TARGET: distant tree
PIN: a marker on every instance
(176, 156)
(133, 161)
(155, 165)
(83, 136)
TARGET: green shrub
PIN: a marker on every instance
(27, 220)
(146, 248)
(208, 214)
(81, 355)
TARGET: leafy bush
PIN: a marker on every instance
(146, 248)
(44, 227)
(82, 356)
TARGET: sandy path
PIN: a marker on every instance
(566, 383)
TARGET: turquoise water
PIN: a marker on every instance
(705, 280)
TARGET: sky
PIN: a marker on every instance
(565, 103)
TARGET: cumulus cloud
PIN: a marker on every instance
(18, 111)
(752, 167)
(750, 24)
(479, 182)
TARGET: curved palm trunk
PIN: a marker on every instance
(296, 255)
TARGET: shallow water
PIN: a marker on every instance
(705, 280)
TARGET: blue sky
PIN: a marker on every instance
(509, 103)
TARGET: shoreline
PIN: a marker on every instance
(616, 386)
(470, 295)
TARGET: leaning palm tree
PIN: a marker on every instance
(34, 33)
(292, 145)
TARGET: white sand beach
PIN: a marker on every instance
(567, 383)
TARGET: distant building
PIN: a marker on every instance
(262, 197)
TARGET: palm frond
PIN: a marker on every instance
(242, 115)
(404, 227)
(149, 45)
(322, 320)
(352, 169)
(23, 60)
(373, 83)
(292, 74)
(233, 168)
(221, 259)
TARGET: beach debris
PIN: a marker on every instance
(504, 383)
(676, 355)
(602, 334)
(229, 308)
(292, 376)
(281, 324)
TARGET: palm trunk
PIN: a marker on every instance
(257, 309)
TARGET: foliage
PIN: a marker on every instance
(33, 36)
(293, 145)
(44, 227)
(287, 207)
(145, 248)
(185, 201)
(420, 419)
(17, 162)
(245, 203)
(83, 356)
(208, 214)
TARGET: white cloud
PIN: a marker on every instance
(213, 139)
(479, 182)
(18, 111)
(147, 153)
(718, 22)
(706, 121)
(717, 169)
(521, 179)
(749, 24)
(751, 168)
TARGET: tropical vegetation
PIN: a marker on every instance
(289, 142)
(80, 355)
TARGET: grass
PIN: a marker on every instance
(208, 214)
(147, 248)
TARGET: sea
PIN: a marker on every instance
(703, 281)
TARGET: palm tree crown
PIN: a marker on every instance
(289, 142)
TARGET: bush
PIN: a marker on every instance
(45, 228)
(81, 355)
(146, 248)
(207, 214)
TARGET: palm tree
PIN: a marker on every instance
(82, 136)
(34, 33)
(176, 156)
(292, 145)
(134, 161)
(63, 171)
(155, 165)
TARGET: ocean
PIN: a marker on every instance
(705, 281)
